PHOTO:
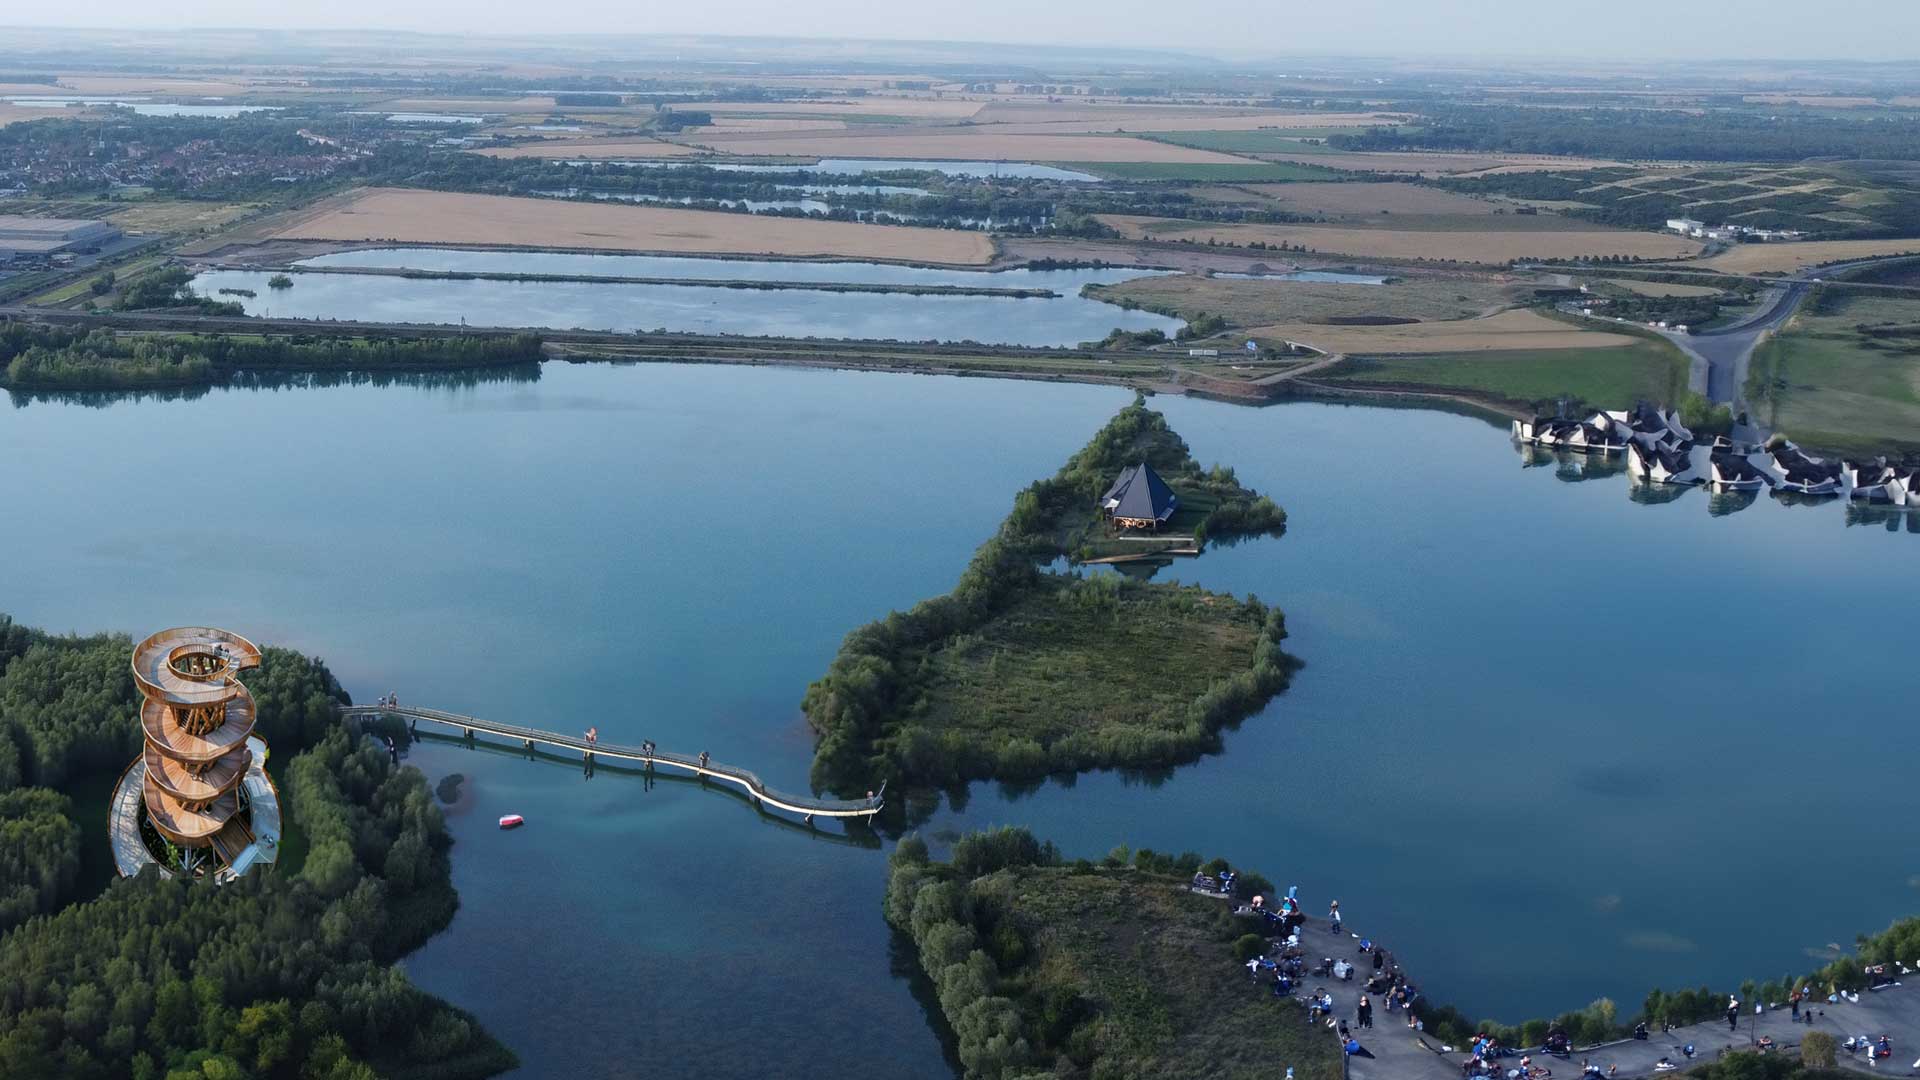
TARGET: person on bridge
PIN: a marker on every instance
(593, 736)
(703, 759)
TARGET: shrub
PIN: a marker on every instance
(1817, 1050)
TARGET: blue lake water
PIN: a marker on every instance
(426, 117)
(812, 206)
(1549, 743)
(1067, 319)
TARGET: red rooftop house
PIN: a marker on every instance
(1139, 499)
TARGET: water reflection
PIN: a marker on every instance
(853, 832)
(1722, 503)
(463, 379)
(1647, 494)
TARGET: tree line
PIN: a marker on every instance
(1642, 134)
(40, 357)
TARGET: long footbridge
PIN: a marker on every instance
(805, 805)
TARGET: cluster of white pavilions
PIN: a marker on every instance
(1661, 450)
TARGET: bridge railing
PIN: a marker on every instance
(746, 778)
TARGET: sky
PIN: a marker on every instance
(1618, 30)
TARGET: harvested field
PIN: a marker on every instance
(772, 123)
(1509, 330)
(1491, 246)
(1816, 100)
(1370, 199)
(156, 84)
(569, 149)
(1261, 303)
(176, 215)
(20, 114)
(968, 145)
(540, 105)
(1788, 258)
(434, 217)
(1138, 119)
(912, 108)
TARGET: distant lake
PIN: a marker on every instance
(855, 166)
(812, 206)
(426, 117)
(1068, 319)
(140, 106)
(1479, 759)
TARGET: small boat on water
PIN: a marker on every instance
(511, 821)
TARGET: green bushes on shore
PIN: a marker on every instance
(978, 683)
(1044, 968)
(34, 357)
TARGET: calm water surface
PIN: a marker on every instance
(1549, 743)
(141, 106)
(1067, 319)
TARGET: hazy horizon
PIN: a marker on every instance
(1628, 31)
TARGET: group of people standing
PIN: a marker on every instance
(1285, 960)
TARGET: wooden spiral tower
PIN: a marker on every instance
(196, 717)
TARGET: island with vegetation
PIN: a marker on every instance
(1044, 967)
(38, 357)
(1022, 671)
(286, 973)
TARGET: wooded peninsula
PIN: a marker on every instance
(1022, 671)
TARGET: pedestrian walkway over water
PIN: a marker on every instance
(805, 805)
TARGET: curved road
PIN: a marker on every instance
(1725, 352)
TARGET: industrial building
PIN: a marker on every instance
(38, 237)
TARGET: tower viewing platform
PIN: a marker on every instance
(203, 793)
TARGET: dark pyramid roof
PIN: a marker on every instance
(1140, 493)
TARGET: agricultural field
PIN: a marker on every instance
(1661, 288)
(1268, 172)
(1372, 199)
(156, 84)
(585, 149)
(1504, 331)
(1263, 303)
(1432, 163)
(1261, 140)
(1041, 118)
(431, 217)
(1616, 376)
(1489, 245)
(962, 145)
(177, 215)
(1792, 258)
(20, 114)
(901, 107)
(1844, 376)
(1824, 200)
